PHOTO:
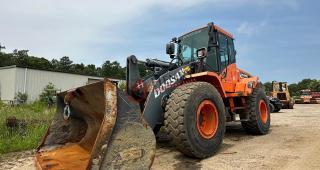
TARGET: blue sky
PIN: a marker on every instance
(275, 39)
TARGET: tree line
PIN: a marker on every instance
(109, 69)
(295, 88)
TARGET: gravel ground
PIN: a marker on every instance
(293, 143)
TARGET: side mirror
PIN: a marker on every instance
(170, 49)
(201, 53)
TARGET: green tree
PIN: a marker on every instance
(112, 70)
(122, 85)
(144, 71)
(54, 64)
(294, 89)
(99, 71)
(314, 85)
(21, 97)
(268, 87)
(49, 91)
(39, 63)
(90, 69)
(6, 59)
(317, 86)
(77, 68)
(304, 84)
(64, 64)
(20, 57)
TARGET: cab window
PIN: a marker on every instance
(224, 54)
(232, 52)
(211, 59)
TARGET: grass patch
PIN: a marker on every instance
(37, 118)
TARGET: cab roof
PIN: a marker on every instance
(219, 29)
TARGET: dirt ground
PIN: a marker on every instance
(293, 143)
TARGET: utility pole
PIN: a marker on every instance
(2, 47)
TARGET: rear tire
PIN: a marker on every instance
(259, 114)
(195, 132)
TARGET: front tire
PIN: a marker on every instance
(259, 113)
(195, 119)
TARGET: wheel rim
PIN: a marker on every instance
(207, 119)
(263, 111)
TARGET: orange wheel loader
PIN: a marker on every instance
(98, 126)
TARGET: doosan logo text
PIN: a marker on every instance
(171, 81)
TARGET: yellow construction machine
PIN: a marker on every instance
(280, 90)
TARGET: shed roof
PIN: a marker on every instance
(17, 66)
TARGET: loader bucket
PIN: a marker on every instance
(97, 126)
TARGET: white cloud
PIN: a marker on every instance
(53, 28)
(251, 29)
(291, 4)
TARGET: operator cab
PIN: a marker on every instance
(211, 43)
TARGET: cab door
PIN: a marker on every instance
(228, 70)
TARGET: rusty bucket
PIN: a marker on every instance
(97, 126)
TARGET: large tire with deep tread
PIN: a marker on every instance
(255, 125)
(180, 119)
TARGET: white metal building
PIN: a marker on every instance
(14, 79)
